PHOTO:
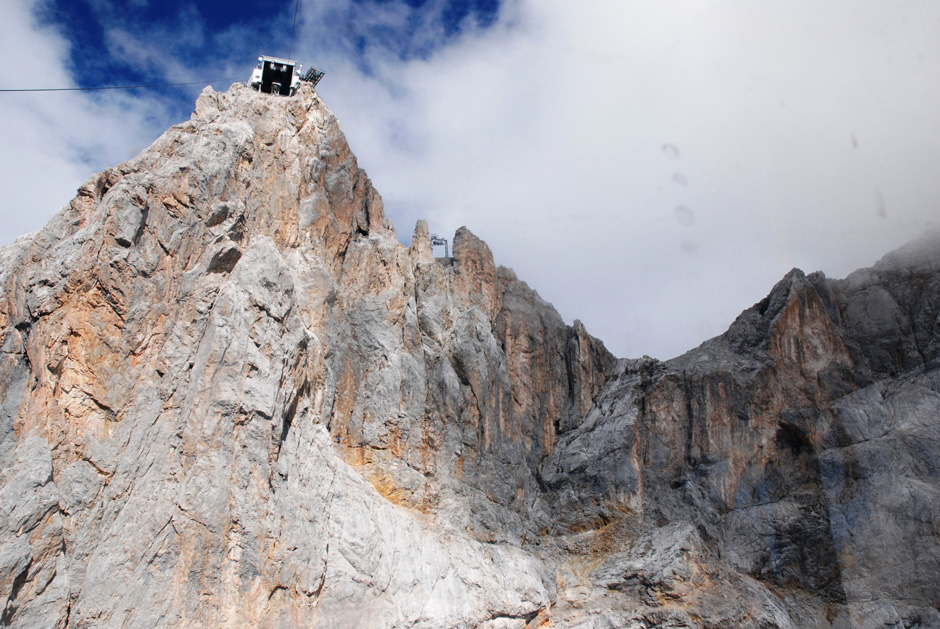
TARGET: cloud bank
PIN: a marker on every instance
(654, 168)
(650, 168)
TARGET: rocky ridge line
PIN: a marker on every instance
(230, 397)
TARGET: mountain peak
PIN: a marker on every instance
(231, 397)
(221, 344)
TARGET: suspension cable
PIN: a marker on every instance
(293, 29)
(110, 87)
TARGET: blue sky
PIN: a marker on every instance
(146, 42)
(651, 168)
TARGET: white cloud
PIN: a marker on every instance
(796, 133)
(53, 141)
(806, 134)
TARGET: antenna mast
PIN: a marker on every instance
(437, 241)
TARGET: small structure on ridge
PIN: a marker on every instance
(281, 76)
(437, 241)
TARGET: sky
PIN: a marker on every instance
(650, 168)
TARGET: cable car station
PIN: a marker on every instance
(281, 76)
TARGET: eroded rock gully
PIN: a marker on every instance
(230, 397)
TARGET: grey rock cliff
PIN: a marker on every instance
(230, 397)
(799, 448)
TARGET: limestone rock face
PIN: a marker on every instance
(799, 448)
(230, 397)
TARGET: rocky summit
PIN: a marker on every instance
(230, 397)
